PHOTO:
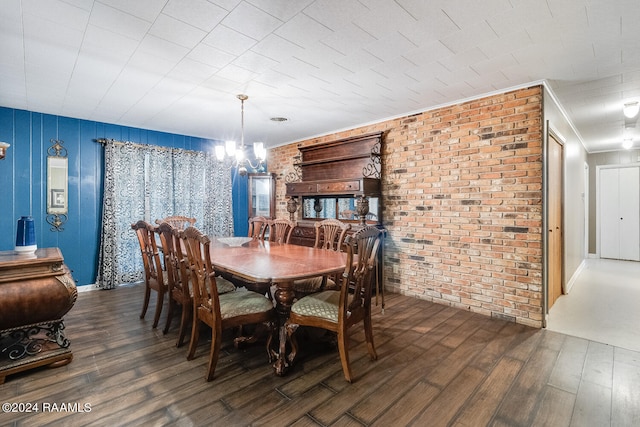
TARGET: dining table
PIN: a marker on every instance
(274, 264)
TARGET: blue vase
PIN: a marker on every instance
(26, 235)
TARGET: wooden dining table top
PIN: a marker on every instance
(270, 262)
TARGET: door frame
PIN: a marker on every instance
(585, 198)
(550, 130)
(553, 258)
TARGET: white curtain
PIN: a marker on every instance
(149, 182)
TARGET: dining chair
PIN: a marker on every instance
(280, 230)
(177, 270)
(330, 235)
(219, 311)
(177, 221)
(258, 227)
(339, 310)
(155, 277)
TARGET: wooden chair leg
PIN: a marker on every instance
(185, 319)
(172, 304)
(195, 333)
(343, 343)
(216, 343)
(160, 302)
(145, 304)
(368, 332)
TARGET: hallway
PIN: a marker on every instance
(603, 305)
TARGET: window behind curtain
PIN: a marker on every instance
(149, 182)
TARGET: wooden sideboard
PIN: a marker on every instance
(339, 179)
(36, 291)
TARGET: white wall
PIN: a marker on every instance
(575, 214)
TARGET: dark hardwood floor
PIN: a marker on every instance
(436, 366)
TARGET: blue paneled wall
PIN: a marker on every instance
(23, 181)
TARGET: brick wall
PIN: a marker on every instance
(462, 195)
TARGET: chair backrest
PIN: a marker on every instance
(330, 234)
(258, 227)
(205, 291)
(280, 230)
(359, 275)
(177, 221)
(170, 250)
(146, 234)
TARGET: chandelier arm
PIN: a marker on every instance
(256, 166)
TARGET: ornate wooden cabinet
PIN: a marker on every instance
(262, 195)
(36, 291)
(339, 179)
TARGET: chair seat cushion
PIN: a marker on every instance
(323, 305)
(313, 284)
(224, 285)
(240, 303)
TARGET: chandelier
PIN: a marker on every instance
(238, 153)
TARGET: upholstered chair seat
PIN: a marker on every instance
(239, 303)
(322, 305)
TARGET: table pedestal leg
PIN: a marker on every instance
(284, 297)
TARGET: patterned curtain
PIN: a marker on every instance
(149, 182)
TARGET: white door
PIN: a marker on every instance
(620, 213)
(609, 218)
(629, 214)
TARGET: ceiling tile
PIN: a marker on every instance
(117, 21)
(228, 40)
(384, 18)
(390, 46)
(303, 31)
(277, 48)
(335, 15)
(467, 14)
(284, 10)
(61, 13)
(470, 36)
(198, 13)
(102, 43)
(254, 62)
(348, 39)
(235, 73)
(161, 48)
(210, 56)
(251, 21)
(143, 9)
(360, 60)
(176, 31)
(192, 71)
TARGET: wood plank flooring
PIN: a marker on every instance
(437, 366)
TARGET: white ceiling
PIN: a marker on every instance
(177, 65)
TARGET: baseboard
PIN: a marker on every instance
(87, 288)
(574, 277)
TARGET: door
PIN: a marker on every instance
(554, 215)
(619, 211)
